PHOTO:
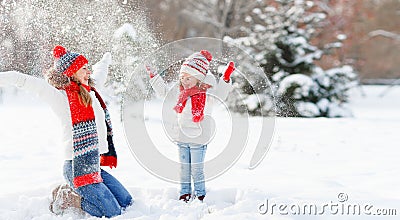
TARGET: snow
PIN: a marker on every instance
(257, 11)
(338, 111)
(384, 34)
(323, 104)
(252, 102)
(341, 37)
(304, 83)
(311, 161)
(126, 29)
(346, 70)
(307, 109)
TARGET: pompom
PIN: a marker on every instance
(206, 54)
(59, 51)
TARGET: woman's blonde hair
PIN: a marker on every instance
(60, 81)
(84, 94)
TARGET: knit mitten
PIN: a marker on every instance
(228, 71)
(109, 159)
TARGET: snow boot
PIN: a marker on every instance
(64, 198)
(185, 197)
(201, 198)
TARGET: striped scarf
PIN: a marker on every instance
(86, 162)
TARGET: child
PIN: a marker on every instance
(192, 128)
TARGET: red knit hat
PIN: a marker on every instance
(66, 62)
(197, 64)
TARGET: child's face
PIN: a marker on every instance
(188, 81)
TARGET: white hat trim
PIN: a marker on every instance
(192, 72)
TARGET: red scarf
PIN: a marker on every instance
(85, 162)
(198, 97)
(79, 112)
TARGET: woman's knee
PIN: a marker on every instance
(127, 201)
(99, 201)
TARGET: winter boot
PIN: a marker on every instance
(64, 198)
(54, 194)
(185, 197)
(201, 198)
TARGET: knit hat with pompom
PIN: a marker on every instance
(197, 64)
(67, 62)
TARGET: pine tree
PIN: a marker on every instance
(281, 42)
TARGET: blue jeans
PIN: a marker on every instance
(100, 199)
(191, 157)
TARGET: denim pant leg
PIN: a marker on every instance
(117, 189)
(67, 172)
(185, 177)
(97, 199)
(197, 155)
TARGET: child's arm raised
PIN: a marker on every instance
(225, 86)
(157, 82)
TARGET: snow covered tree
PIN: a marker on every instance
(280, 41)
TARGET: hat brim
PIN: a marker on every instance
(78, 63)
(192, 72)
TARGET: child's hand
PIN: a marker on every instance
(229, 70)
(151, 72)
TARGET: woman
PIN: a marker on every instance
(188, 123)
(87, 132)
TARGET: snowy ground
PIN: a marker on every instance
(311, 162)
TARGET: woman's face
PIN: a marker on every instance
(188, 81)
(82, 75)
